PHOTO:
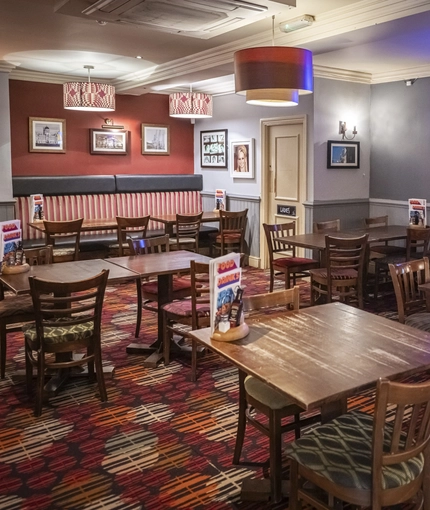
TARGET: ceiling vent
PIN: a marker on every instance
(193, 18)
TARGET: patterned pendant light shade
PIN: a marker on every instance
(190, 105)
(89, 96)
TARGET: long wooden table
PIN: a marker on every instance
(319, 356)
(163, 266)
(316, 241)
(88, 225)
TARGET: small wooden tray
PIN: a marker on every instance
(22, 268)
(232, 334)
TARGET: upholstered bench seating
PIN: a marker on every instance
(106, 196)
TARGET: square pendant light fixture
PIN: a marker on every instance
(89, 96)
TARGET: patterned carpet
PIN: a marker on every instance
(160, 442)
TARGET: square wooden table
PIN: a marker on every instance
(321, 355)
(163, 266)
(169, 220)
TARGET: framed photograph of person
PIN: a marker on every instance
(155, 139)
(109, 141)
(242, 159)
(47, 135)
(342, 154)
(213, 149)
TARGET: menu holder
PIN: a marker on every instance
(232, 334)
(22, 268)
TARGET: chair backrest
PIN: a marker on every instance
(38, 256)
(273, 233)
(348, 253)
(59, 232)
(327, 226)
(401, 432)
(200, 292)
(187, 229)
(406, 277)
(288, 298)
(130, 228)
(69, 304)
(149, 245)
(417, 242)
(377, 221)
(232, 229)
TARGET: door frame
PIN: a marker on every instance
(265, 124)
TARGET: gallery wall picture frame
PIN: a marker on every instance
(47, 135)
(343, 154)
(242, 159)
(156, 139)
(109, 141)
(213, 148)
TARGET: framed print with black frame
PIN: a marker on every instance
(342, 154)
(109, 141)
(47, 135)
(213, 149)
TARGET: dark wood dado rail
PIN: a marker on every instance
(106, 196)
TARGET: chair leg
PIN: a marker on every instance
(99, 373)
(139, 307)
(272, 278)
(40, 385)
(28, 370)
(241, 422)
(275, 456)
(2, 349)
(294, 503)
(287, 279)
(193, 361)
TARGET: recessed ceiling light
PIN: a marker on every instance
(138, 56)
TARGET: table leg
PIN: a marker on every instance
(154, 349)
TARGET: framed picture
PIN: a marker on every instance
(242, 160)
(213, 149)
(343, 154)
(155, 139)
(47, 135)
(108, 141)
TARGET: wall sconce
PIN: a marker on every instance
(342, 131)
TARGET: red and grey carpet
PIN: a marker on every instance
(161, 442)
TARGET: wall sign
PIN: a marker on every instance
(287, 210)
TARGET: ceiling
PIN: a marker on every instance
(183, 42)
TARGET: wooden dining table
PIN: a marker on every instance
(169, 220)
(163, 266)
(88, 225)
(321, 355)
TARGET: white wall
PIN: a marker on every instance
(334, 101)
(243, 122)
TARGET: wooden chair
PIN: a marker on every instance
(14, 310)
(343, 276)
(67, 318)
(367, 462)
(417, 247)
(327, 226)
(282, 257)
(254, 394)
(128, 228)
(384, 249)
(231, 236)
(187, 232)
(64, 237)
(180, 317)
(411, 302)
(147, 291)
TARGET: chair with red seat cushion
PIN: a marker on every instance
(231, 236)
(282, 256)
(148, 294)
